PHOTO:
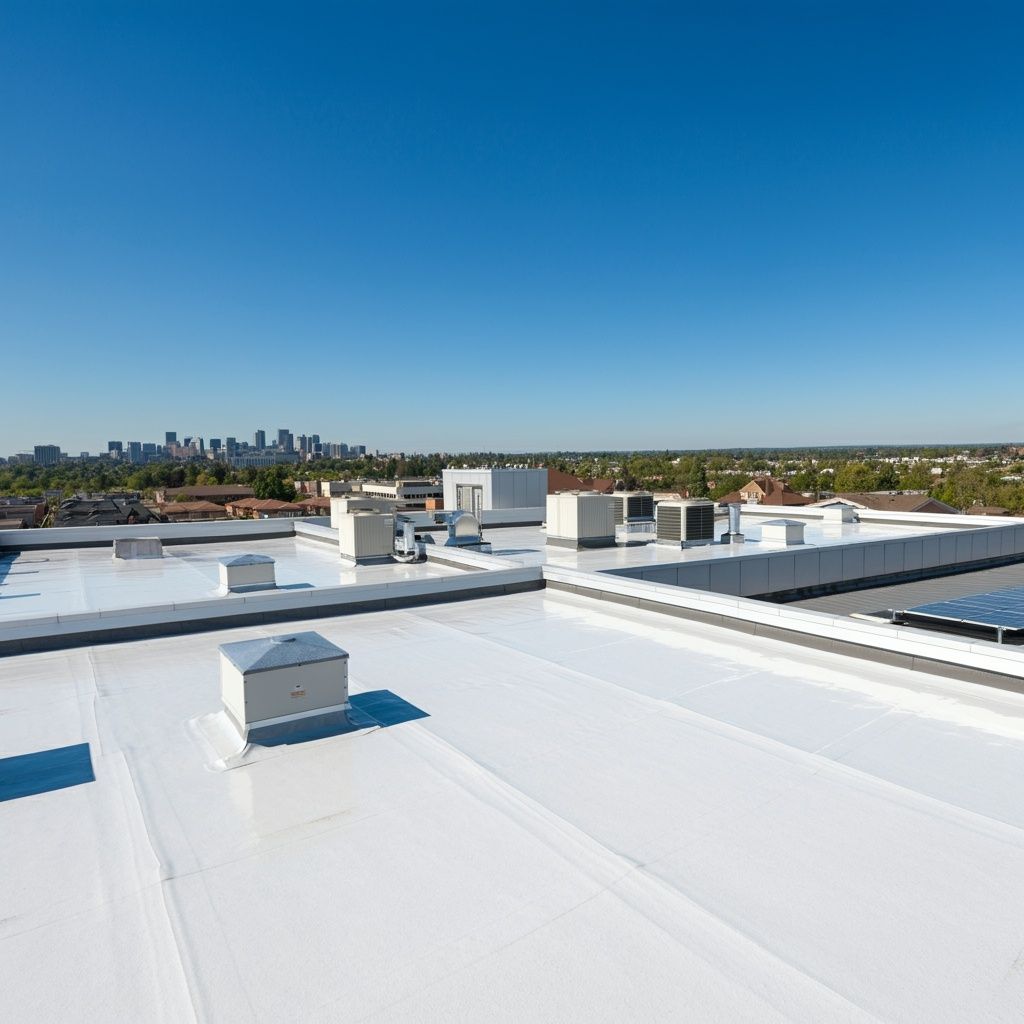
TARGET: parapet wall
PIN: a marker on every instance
(808, 569)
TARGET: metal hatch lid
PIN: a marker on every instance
(245, 560)
(281, 651)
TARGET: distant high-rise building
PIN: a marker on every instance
(303, 443)
(171, 437)
(283, 435)
(259, 440)
(47, 454)
(232, 446)
(134, 451)
(215, 444)
(115, 448)
(149, 448)
(314, 440)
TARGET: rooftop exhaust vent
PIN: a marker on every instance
(734, 535)
(463, 530)
(138, 547)
(240, 574)
(839, 514)
(782, 531)
(272, 683)
(688, 522)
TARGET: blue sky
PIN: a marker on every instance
(520, 226)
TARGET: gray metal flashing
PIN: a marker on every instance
(198, 538)
(104, 634)
(582, 543)
(268, 653)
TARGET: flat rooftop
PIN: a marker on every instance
(70, 580)
(596, 814)
(528, 544)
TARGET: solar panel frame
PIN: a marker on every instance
(1001, 610)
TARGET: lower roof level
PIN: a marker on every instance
(591, 813)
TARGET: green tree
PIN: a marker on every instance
(273, 482)
(697, 480)
(888, 478)
(855, 476)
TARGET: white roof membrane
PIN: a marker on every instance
(604, 816)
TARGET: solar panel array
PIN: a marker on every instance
(1002, 608)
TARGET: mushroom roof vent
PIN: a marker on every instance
(281, 652)
(245, 560)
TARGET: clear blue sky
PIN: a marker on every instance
(516, 226)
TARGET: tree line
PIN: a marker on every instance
(699, 474)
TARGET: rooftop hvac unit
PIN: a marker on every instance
(366, 537)
(687, 522)
(580, 519)
(630, 505)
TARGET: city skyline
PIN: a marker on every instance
(74, 451)
(540, 228)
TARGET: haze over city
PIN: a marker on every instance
(532, 228)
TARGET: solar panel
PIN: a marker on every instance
(1000, 610)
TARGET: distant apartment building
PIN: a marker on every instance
(337, 488)
(192, 511)
(408, 495)
(259, 440)
(265, 508)
(260, 460)
(47, 454)
(28, 509)
(217, 493)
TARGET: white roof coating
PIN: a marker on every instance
(528, 544)
(69, 580)
(607, 815)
